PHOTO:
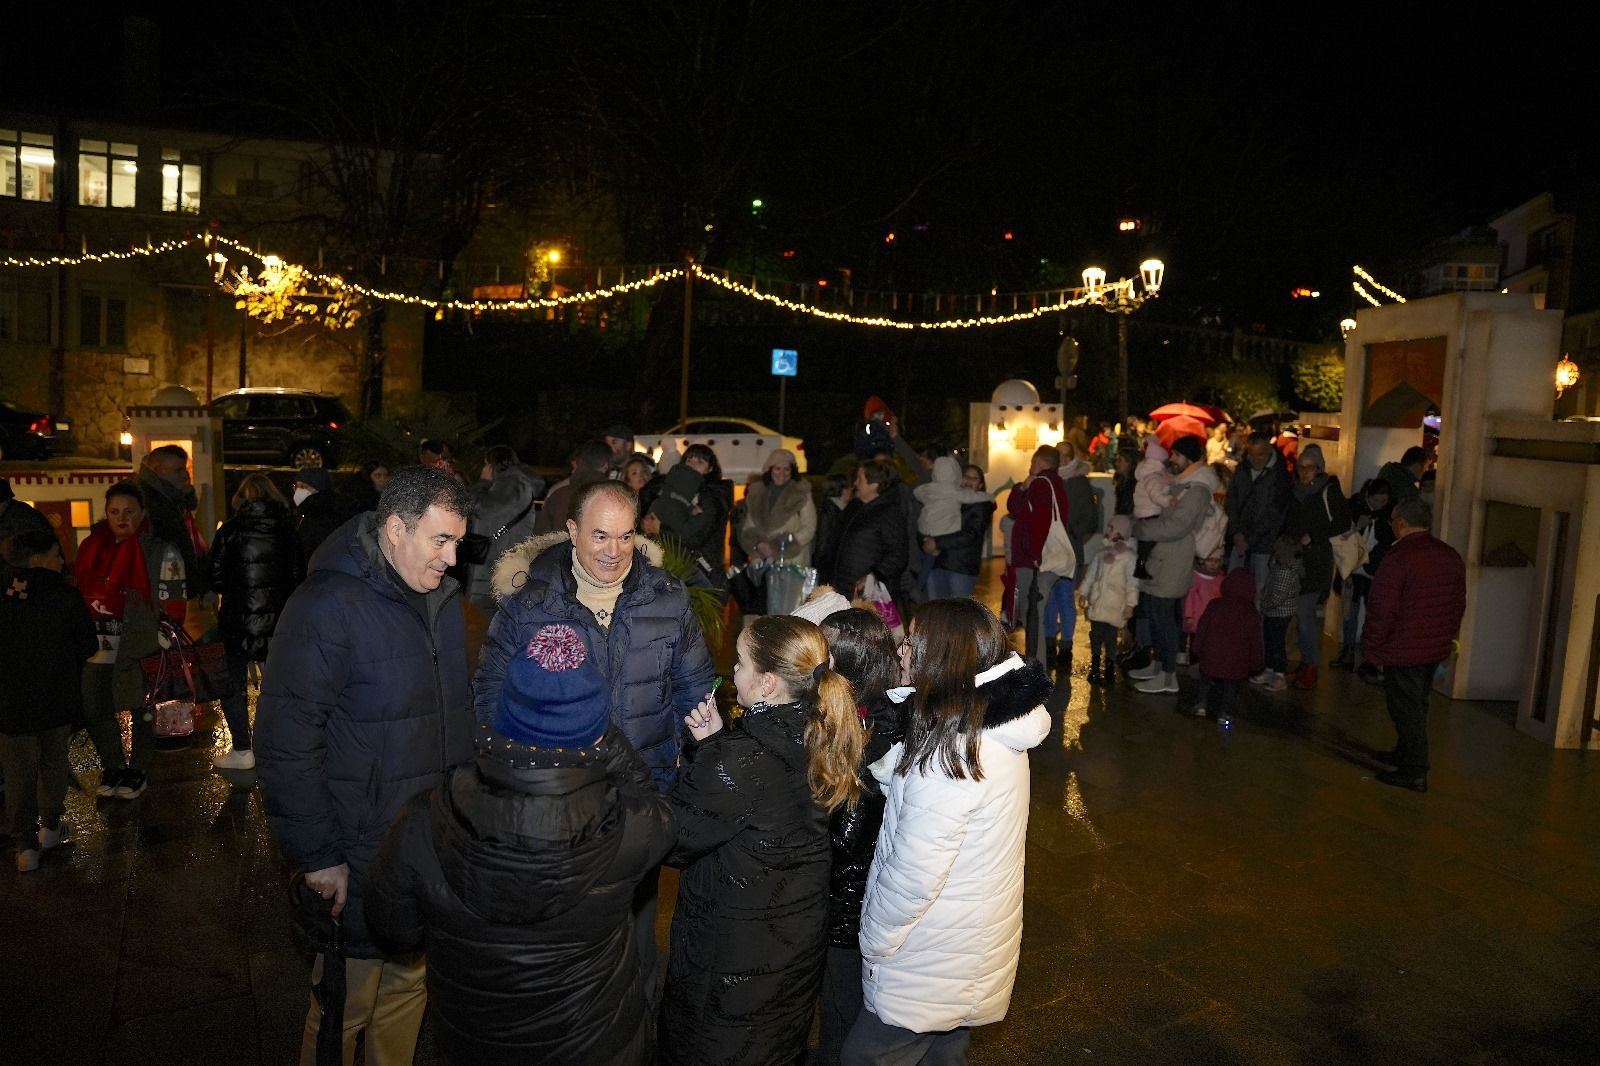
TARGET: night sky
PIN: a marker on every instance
(1264, 151)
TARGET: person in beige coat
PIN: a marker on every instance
(780, 517)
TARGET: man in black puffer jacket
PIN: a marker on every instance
(518, 875)
(366, 703)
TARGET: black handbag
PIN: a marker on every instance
(475, 547)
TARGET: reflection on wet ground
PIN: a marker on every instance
(1194, 894)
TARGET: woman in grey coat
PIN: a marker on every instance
(1171, 563)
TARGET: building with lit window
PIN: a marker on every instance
(85, 341)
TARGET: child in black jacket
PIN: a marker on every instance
(49, 634)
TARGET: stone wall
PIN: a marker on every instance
(166, 344)
(25, 376)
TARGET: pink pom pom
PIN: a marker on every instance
(557, 648)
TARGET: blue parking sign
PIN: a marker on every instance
(785, 362)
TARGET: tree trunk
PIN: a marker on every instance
(372, 357)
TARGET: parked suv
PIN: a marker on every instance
(289, 426)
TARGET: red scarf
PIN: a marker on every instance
(107, 570)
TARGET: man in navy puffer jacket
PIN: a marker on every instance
(637, 628)
(365, 704)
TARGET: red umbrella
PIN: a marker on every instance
(1182, 410)
(1217, 414)
(1172, 428)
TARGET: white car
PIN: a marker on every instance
(742, 446)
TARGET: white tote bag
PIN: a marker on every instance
(1057, 556)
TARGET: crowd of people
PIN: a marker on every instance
(480, 836)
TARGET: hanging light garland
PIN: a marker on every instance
(1056, 300)
(1361, 291)
(1376, 284)
(1078, 299)
(99, 257)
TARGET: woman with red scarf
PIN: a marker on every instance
(127, 577)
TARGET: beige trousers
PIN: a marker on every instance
(383, 997)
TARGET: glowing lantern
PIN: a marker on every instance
(1567, 374)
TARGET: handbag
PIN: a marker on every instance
(171, 718)
(1349, 550)
(882, 604)
(1057, 556)
(182, 669)
(474, 548)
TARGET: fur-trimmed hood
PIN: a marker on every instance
(511, 571)
(1014, 695)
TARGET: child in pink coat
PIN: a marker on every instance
(1151, 492)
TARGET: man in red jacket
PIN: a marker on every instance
(1034, 504)
(1414, 611)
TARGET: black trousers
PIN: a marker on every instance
(1218, 695)
(1405, 689)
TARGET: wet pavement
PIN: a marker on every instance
(1194, 894)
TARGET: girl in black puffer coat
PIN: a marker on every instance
(864, 652)
(752, 804)
(255, 563)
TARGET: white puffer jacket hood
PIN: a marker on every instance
(942, 925)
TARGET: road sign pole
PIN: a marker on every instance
(782, 389)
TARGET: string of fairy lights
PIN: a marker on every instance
(1043, 303)
(1361, 290)
(1055, 300)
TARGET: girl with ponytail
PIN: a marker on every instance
(864, 652)
(941, 928)
(751, 805)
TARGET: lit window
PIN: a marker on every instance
(107, 173)
(27, 165)
(180, 183)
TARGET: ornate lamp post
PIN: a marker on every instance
(1122, 299)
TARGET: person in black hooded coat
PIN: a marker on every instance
(517, 875)
(255, 563)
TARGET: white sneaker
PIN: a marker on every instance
(236, 760)
(1161, 682)
(50, 838)
(1145, 673)
(1262, 678)
(27, 861)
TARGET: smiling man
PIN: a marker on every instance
(365, 703)
(638, 630)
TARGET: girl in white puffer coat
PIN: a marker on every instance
(1109, 594)
(941, 927)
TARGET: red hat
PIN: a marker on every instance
(875, 408)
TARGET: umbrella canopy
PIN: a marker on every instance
(1171, 429)
(1217, 414)
(1182, 410)
(1267, 414)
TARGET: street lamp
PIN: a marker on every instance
(1123, 298)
